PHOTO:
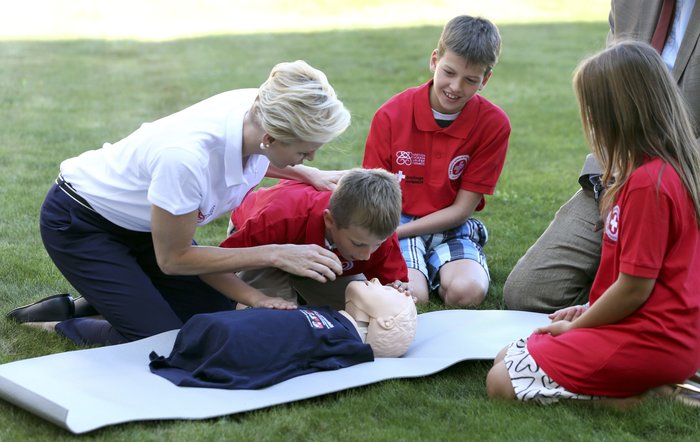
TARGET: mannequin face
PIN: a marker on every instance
(371, 299)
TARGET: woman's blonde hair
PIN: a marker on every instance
(296, 103)
(631, 108)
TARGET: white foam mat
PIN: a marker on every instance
(87, 389)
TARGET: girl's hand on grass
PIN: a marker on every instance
(555, 328)
(569, 313)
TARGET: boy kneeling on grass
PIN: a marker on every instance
(447, 145)
(357, 221)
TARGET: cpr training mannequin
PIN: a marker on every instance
(257, 347)
(385, 321)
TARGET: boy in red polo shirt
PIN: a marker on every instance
(447, 145)
(357, 221)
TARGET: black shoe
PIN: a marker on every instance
(54, 308)
(83, 308)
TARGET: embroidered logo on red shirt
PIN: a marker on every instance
(457, 166)
(612, 224)
(405, 158)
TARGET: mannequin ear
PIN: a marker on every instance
(386, 323)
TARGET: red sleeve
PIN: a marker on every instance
(644, 232)
(266, 227)
(390, 265)
(378, 145)
(251, 234)
(486, 165)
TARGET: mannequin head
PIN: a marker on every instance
(388, 315)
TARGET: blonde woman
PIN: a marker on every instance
(119, 222)
(641, 329)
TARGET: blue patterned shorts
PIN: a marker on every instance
(428, 253)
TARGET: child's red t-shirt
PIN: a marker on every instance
(651, 232)
(434, 163)
(292, 213)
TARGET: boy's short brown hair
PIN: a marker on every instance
(475, 39)
(367, 198)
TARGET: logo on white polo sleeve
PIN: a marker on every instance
(202, 217)
(457, 166)
(612, 223)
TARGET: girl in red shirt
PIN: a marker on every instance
(642, 328)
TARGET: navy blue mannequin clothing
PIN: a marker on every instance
(259, 347)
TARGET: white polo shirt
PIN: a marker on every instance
(191, 160)
(669, 53)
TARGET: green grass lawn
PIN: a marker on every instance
(59, 98)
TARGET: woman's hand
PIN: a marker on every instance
(172, 240)
(307, 260)
(568, 313)
(326, 179)
(274, 303)
(233, 287)
(320, 179)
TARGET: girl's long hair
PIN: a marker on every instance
(631, 108)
